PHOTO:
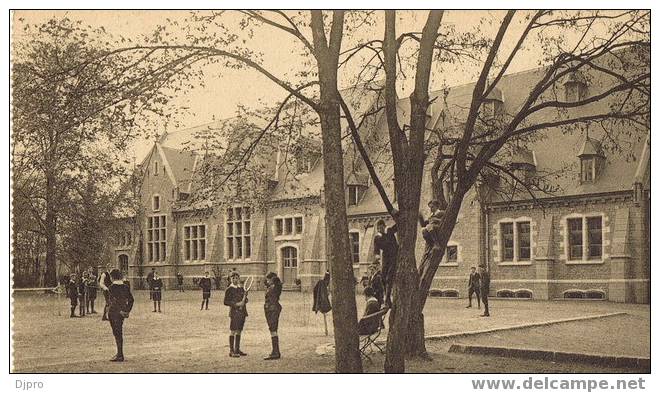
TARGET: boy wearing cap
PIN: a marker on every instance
(235, 299)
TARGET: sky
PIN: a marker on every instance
(225, 89)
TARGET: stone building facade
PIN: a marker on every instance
(590, 239)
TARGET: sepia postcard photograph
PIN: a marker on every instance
(297, 191)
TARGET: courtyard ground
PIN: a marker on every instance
(185, 339)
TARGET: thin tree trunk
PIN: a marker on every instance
(50, 277)
(433, 254)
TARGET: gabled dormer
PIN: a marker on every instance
(493, 105)
(592, 160)
(575, 87)
(356, 185)
(523, 163)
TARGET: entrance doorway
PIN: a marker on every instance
(289, 265)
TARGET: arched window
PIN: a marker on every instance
(524, 294)
(574, 294)
(505, 293)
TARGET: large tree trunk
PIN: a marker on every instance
(405, 285)
(344, 308)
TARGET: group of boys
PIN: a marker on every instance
(82, 291)
(479, 284)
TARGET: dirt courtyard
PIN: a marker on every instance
(184, 339)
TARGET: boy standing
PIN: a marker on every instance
(104, 283)
(386, 249)
(179, 281)
(81, 294)
(91, 287)
(205, 284)
(485, 288)
(72, 293)
(474, 283)
(157, 290)
(120, 305)
(235, 298)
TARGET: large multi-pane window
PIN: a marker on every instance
(355, 246)
(507, 241)
(285, 226)
(194, 242)
(157, 238)
(585, 238)
(238, 233)
(516, 241)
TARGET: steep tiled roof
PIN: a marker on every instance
(182, 163)
(554, 151)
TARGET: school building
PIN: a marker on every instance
(587, 238)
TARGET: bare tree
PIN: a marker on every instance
(470, 151)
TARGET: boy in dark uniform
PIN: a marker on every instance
(473, 287)
(386, 249)
(485, 288)
(235, 298)
(72, 293)
(432, 225)
(272, 309)
(91, 287)
(150, 281)
(376, 283)
(370, 325)
(157, 290)
(81, 295)
(205, 284)
(120, 305)
(179, 281)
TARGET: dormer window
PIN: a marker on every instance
(588, 170)
(591, 160)
(493, 105)
(523, 163)
(356, 184)
(353, 195)
(575, 87)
